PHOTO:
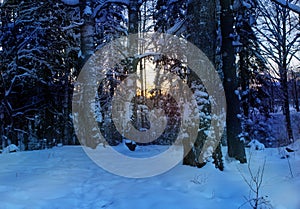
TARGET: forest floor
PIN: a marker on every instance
(66, 178)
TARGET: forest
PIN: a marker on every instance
(253, 45)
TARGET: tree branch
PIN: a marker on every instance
(286, 4)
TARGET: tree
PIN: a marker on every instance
(202, 27)
(289, 5)
(183, 19)
(38, 56)
(295, 76)
(170, 16)
(95, 32)
(278, 32)
(231, 83)
(76, 30)
(254, 78)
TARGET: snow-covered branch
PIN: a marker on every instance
(173, 30)
(105, 2)
(71, 2)
(20, 77)
(148, 54)
(73, 25)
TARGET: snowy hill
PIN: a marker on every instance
(64, 177)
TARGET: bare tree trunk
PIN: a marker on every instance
(233, 124)
(278, 37)
(295, 89)
(286, 105)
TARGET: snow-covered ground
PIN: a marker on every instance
(66, 178)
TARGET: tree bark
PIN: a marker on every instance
(133, 10)
(87, 49)
(87, 30)
(286, 106)
(202, 27)
(233, 124)
(283, 68)
(295, 87)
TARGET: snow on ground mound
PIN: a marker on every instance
(294, 149)
(10, 148)
(256, 145)
(295, 145)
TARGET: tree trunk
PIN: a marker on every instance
(283, 68)
(286, 105)
(288, 116)
(87, 49)
(133, 28)
(245, 86)
(66, 129)
(244, 56)
(133, 17)
(87, 30)
(296, 91)
(202, 27)
(233, 124)
(2, 135)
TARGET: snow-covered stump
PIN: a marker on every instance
(256, 145)
(10, 148)
(130, 144)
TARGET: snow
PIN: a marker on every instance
(64, 177)
(71, 2)
(10, 148)
(256, 145)
(177, 26)
(102, 3)
(236, 43)
(247, 5)
(88, 10)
